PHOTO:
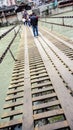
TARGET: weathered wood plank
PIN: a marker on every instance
(62, 92)
(40, 79)
(36, 61)
(16, 74)
(44, 97)
(16, 82)
(45, 105)
(13, 104)
(16, 85)
(28, 112)
(54, 126)
(10, 97)
(19, 71)
(39, 76)
(11, 113)
(15, 91)
(10, 123)
(38, 69)
(37, 66)
(36, 73)
(42, 90)
(18, 77)
(47, 84)
(33, 64)
(48, 114)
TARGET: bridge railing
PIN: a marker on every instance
(60, 24)
(6, 40)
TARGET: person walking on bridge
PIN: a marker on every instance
(34, 24)
(25, 17)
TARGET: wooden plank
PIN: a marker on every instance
(28, 112)
(16, 74)
(35, 73)
(19, 71)
(16, 82)
(38, 69)
(19, 65)
(63, 69)
(13, 104)
(36, 61)
(11, 113)
(18, 77)
(63, 95)
(48, 114)
(42, 90)
(45, 105)
(45, 84)
(18, 54)
(36, 66)
(39, 76)
(32, 65)
(10, 123)
(44, 97)
(40, 79)
(15, 91)
(10, 97)
(18, 68)
(66, 60)
(16, 85)
(54, 126)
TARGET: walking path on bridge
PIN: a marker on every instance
(40, 95)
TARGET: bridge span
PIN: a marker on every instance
(40, 94)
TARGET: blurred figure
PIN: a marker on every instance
(29, 23)
(34, 23)
(25, 17)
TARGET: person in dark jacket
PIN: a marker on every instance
(34, 23)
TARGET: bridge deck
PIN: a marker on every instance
(40, 95)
